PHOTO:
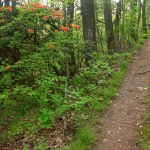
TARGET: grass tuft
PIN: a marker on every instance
(84, 139)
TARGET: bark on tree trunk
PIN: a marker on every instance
(64, 14)
(89, 27)
(1, 3)
(139, 15)
(133, 33)
(144, 17)
(7, 3)
(71, 62)
(109, 25)
(117, 31)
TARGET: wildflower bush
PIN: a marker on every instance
(35, 51)
(32, 27)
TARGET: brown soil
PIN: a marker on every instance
(120, 124)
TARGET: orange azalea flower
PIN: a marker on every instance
(41, 6)
(63, 28)
(9, 9)
(33, 5)
(7, 68)
(72, 25)
(1, 9)
(59, 13)
(56, 14)
(75, 26)
(45, 17)
(30, 31)
(37, 5)
(53, 16)
(33, 9)
(50, 46)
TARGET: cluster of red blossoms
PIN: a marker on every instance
(32, 9)
(63, 28)
(75, 26)
(54, 15)
(33, 6)
(37, 5)
(30, 30)
(7, 68)
(9, 8)
(45, 17)
(50, 46)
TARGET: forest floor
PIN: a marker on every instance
(121, 122)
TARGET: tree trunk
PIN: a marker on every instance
(144, 17)
(139, 15)
(99, 35)
(117, 31)
(123, 24)
(64, 14)
(7, 3)
(133, 33)
(109, 25)
(70, 13)
(89, 27)
(118, 12)
(1, 3)
(71, 62)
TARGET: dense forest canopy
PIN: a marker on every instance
(55, 53)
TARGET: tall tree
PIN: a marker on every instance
(64, 14)
(139, 14)
(70, 12)
(117, 21)
(7, 2)
(1, 3)
(133, 19)
(70, 19)
(118, 12)
(109, 24)
(89, 27)
(144, 17)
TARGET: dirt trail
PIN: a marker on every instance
(121, 123)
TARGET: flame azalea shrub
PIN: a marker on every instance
(26, 31)
(34, 43)
(33, 26)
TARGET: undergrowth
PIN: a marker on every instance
(87, 118)
(89, 92)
